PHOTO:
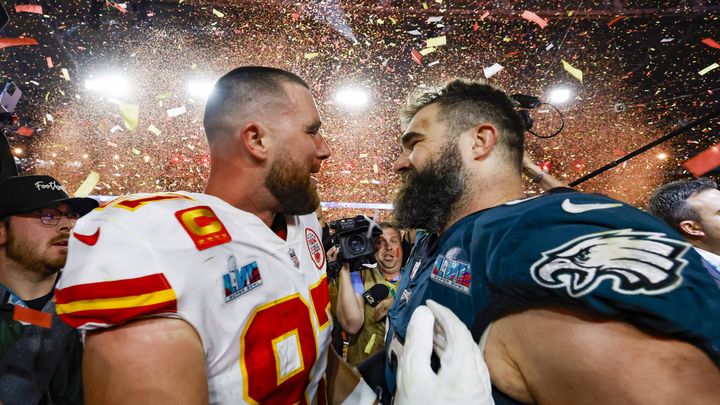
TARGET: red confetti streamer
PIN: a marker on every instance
(416, 57)
(704, 162)
(28, 8)
(530, 16)
(616, 19)
(49, 62)
(32, 316)
(25, 131)
(711, 43)
(8, 42)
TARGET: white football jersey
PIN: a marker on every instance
(259, 303)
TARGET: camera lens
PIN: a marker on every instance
(11, 89)
(356, 244)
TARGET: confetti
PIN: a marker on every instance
(711, 43)
(530, 16)
(433, 20)
(28, 8)
(88, 185)
(49, 62)
(614, 20)
(155, 130)
(484, 16)
(437, 41)
(704, 162)
(217, 13)
(415, 32)
(130, 114)
(708, 69)
(416, 56)
(66, 74)
(492, 70)
(174, 112)
(312, 55)
(574, 72)
(25, 131)
(135, 151)
(426, 51)
(8, 42)
(431, 64)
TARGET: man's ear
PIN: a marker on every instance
(484, 137)
(3, 233)
(253, 136)
(691, 229)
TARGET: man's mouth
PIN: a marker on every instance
(63, 242)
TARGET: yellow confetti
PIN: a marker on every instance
(394, 21)
(437, 41)
(376, 169)
(427, 51)
(155, 130)
(218, 13)
(425, 6)
(88, 185)
(312, 55)
(506, 39)
(574, 72)
(363, 155)
(570, 13)
(709, 68)
(66, 74)
(380, 21)
(135, 151)
(130, 114)
(370, 344)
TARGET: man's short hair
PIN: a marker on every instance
(464, 103)
(669, 202)
(238, 90)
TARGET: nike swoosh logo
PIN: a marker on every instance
(90, 240)
(580, 208)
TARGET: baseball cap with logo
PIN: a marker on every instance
(28, 193)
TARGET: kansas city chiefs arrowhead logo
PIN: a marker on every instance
(632, 262)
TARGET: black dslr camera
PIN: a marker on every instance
(355, 238)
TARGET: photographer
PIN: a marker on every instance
(365, 296)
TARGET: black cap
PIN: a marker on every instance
(28, 193)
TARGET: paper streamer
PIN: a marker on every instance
(711, 43)
(574, 72)
(28, 8)
(709, 68)
(492, 70)
(437, 41)
(130, 114)
(88, 185)
(8, 42)
(530, 16)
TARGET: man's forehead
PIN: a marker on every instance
(709, 198)
(423, 120)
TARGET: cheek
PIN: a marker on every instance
(397, 251)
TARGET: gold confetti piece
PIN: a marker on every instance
(135, 151)
(155, 130)
(130, 114)
(709, 68)
(375, 168)
(363, 155)
(506, 39)
(437, 41)
(425, 6)
(218, 13)
(191, 147)
(394, 21)
(66, 74)
(312, 55)
(574, 72)
(426, 51)
(88, 185)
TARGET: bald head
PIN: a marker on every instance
(240, 93)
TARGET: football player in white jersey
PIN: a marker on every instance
(218, 297)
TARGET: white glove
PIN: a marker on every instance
(463, 377)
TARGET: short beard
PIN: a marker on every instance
(291, 187)
(427, 199)
(29, 257)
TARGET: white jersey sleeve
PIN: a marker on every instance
(259, 303)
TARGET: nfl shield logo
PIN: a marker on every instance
(315, 248)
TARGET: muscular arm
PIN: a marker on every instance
(151, 361)
(350, 305)
(532, 170)
(559, 357)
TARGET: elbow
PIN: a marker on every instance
(351, 324)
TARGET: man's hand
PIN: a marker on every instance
(382, 308)
(463, 377)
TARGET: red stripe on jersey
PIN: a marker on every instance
(113, 289)
(117, 316)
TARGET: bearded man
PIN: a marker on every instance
(218, 297)
(574, 298)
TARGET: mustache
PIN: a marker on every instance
(64, 236)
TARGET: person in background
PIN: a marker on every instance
(364, 296)
(40, 356)
(693, 208)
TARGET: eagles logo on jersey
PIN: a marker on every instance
(634, 262)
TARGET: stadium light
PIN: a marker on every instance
(200, 88)
(560, 95)
(352, 97)
(111, 84)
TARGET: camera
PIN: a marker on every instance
(355, 238)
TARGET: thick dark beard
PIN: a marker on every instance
(292, 189)
(426, 199)
(28, 256)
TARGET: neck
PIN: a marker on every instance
(26, 284)
(389, 273)
(482, 195)
(243, 192)
(707, 247)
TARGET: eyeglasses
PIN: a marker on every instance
(52, 216)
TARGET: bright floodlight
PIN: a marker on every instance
(352, 97)
(113, 85)
(560, 95)
(200, 88)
